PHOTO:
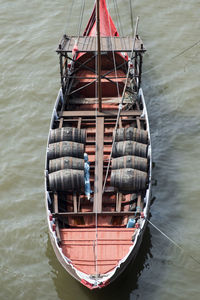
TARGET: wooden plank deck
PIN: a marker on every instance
(82, 248)
(108, 44)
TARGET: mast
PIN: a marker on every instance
(99, 58)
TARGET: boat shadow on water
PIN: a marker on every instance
(68, 288)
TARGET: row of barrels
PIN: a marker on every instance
(66, 159)
(129, 160)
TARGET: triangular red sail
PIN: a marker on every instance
(107, 27)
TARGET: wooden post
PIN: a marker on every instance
(75, 202)
(139, 204)
(61, 72)
(140, 69)
(55, 205)
(138, 123)
(118, 202)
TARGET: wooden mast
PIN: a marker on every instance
(99, 58)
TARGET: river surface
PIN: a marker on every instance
(29, 82)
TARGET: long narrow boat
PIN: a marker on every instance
(98, 162)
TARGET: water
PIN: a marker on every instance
(29, 81)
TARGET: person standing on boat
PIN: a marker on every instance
(87, 176)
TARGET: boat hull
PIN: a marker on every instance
(97, 212)
(85, 279)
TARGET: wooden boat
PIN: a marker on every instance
(98, 162)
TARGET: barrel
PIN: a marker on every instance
(131, 134)
(130, 161)
(129, 148)
(67, 134)
(66, 162)
(65, 149)
(67, 180)
(129, 180)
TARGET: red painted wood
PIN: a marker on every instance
(79, 246)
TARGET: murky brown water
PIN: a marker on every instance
(29, 81)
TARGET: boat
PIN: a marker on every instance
(98, 162)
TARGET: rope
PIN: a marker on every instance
(173, 57)
(81, 19)
(135, 32)
(113, 54)
(173, 242)
(187, 49)
(118, 17)
(95, 187)
(120, 108)
(69, 16)
(131, 14)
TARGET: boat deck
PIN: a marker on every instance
(80, 246)
(108, 43)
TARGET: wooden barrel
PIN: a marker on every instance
(129, 180)
(131, 134)
(129, 148)
(65, 149)
(67, 180)
(130, 161)
(67, 134)
(66, 162)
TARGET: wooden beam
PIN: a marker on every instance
(90, 213)
(138, 123)
(55, 202)
(108, 120)
(79, 123)
(93, 113)
(61, 123)
(120, 122)
(97, 206)
(95, 100)
(139, 204)
(55, 206)
(118, 202)
(75, 202)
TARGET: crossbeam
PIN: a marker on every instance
(90, 213)
(93, 113)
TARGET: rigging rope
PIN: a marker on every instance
(171, 58)
(118, 17)
(131, 14)
(187, 49)
(113, 54)
(172, 241)
(69, 16)
(95, 191)
(81, 18)
(96, 162)
(120, 107)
